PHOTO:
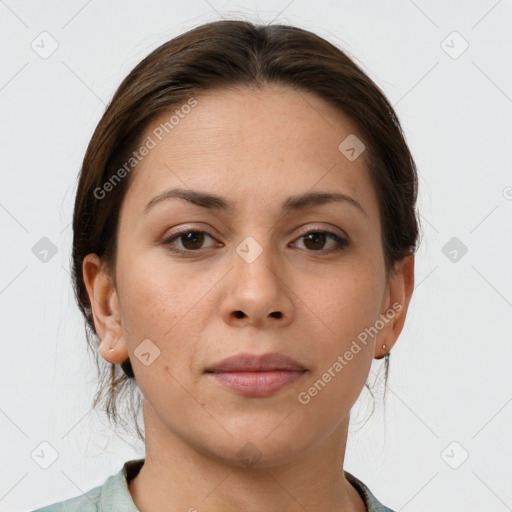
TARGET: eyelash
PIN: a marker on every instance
(341, 242)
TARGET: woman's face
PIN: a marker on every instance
(245, 278)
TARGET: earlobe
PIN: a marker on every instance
(398, 296)
(105, 309)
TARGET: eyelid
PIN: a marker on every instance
(303, 230)
(186, 228)
(183, 230)
(342, 240)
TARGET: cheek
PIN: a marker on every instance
(169, 304)
(345, 306)
(154, 299)
(344, 303)
(344, 355)
(156, 294)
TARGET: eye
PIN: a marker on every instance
(191, 241)
(315, 240)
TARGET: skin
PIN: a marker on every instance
(255, 148)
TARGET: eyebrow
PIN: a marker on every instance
(214, 202)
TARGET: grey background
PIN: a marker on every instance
(449, 394)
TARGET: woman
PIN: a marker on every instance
(244, 238)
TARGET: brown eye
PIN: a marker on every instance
(315, 241)
(191, 241)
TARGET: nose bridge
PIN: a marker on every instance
(255, 262)
(257, 254)
(257, 290)
(255, 234)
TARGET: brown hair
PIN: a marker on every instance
(222, 55)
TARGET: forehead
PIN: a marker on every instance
(248, 143)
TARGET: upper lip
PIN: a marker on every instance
(256, 363)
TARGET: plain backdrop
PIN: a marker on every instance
(442, 442)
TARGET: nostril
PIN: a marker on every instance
(241, 314)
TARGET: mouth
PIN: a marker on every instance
(256, 363)
(256, 375)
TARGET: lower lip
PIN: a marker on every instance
(257, 384)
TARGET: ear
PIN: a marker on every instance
(395, 304)
(105, 308)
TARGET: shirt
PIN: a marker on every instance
(114, 496)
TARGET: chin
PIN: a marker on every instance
(257, 451)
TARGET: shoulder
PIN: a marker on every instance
(112, 496)
(371, 502)
(88, 502)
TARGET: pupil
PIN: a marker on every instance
(192, 237)
(314, 237)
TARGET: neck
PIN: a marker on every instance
(177, 476)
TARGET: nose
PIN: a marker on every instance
(257, 291)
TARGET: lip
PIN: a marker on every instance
(257, 375)
(256, 363)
